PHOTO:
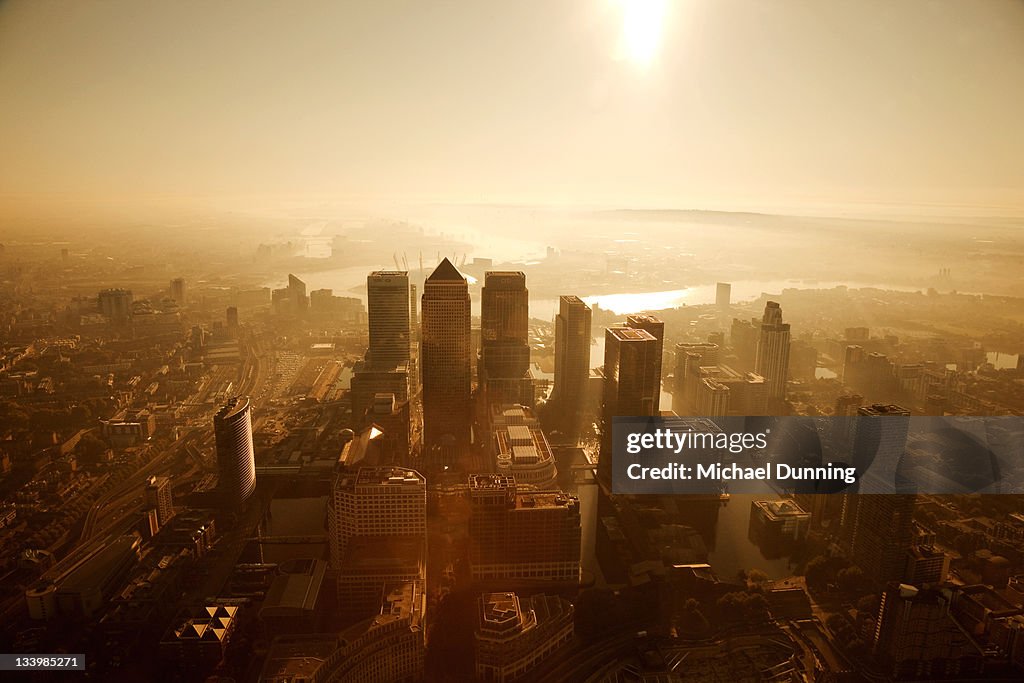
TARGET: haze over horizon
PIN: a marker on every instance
(737, 104)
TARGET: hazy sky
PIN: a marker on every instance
(583, 101)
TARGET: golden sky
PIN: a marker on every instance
(642, 102)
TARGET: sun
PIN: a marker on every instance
(642, 27)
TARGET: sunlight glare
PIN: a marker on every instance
(642, 25)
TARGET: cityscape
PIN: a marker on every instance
(276, 484)
(317, 322)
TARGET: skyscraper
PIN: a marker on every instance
(236, 460)
(656, 326)
(879, 443)
(376, 501)
(504, 325)
(723, 294)
(881, 533)
(631, 383)
(631, 367)
(297, 294)
(178, 290)
(772, 361)
(445, 362)
(743, 339)
(116, 304)
(522, 535)
(377, 532)
(160, 498)
(572, 360)
(388, 311)
(690, 357)
(917, 637)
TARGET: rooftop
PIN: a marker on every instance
(297, 658)
(445, 272)
(397, 476)
(630, 334)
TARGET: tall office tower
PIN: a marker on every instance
(689, 358)
(504, 325)
(116, 304)
(414, 314)
(844, 424)
(387, 311)
(232, 316)
(370, 379)
(572, 360)
(445, 365)
(656, 327)
(879, 443)
(321, 300)
(743, 339)
(772, 361)
(881, 533)
(377, 533)
(513, 636)
(159, 498)
(712, 398)
(723, 296)
(522, 535)
(236, 460)
(631, 380)
(178, 290)
(375, 502)
(853, 360)
(631, 383)
(917, 637)
(297, 294)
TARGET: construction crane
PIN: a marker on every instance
(394, 257)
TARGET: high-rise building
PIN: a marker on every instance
(513, 635)
(879, 444)
(917, 638)
(631, 383)
(446, 365)
(232, 316)
(504, 325)
(572, 360)
(881, 533)
(236, 460)
(723, 296)
(926, 565)
(631, 379)
(376, 501)
(772, 360)
(522, 535)
(388, 311)
(159, 498)
(690, 357)
(370, 379)
(179, 290)
(116, 304)
(297, 294)
(656, 327)
(520, 447)
(377, 530)
(743, 340)
(712, 398)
